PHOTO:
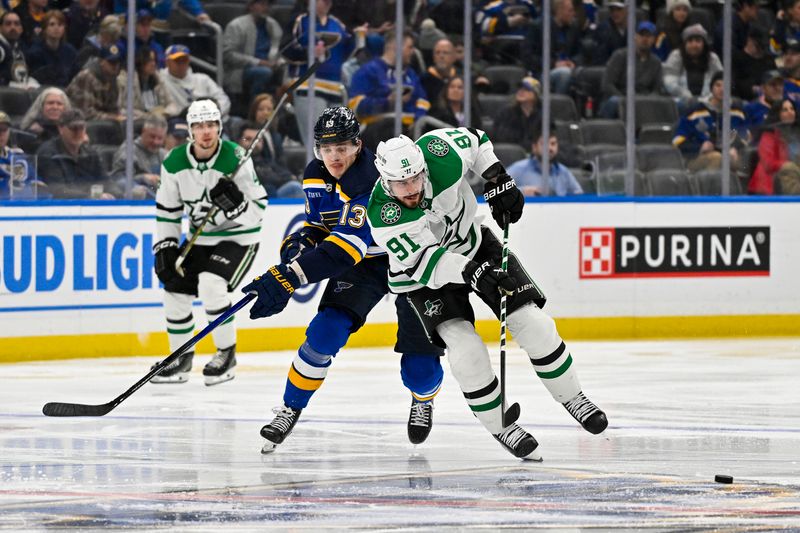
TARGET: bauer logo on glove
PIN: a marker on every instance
(274, 289)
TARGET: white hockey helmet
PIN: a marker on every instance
(399, 159)
(203, 111)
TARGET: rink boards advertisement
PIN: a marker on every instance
(78, 279)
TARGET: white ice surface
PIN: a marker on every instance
(186, 457)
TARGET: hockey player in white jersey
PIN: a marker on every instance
(193, 180)
(422, 212)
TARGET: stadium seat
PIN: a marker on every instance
(15, 102)
(224, 12)
(503, 79)
(570, 143)
(656, 134)
(604, 131)
(652, 109)
(612, 182)
(586, 180)
(492, 103)
(669, 182)
(709, 183)
(508, 153)
(562, 107)
(282, 14)
(105, 132)
(295, 159)
(106, 152)
(658, 157)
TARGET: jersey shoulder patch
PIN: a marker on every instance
(177, 160)
(384, 211)
(445, 166)
(229, 156)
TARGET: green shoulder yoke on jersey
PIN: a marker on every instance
(445, 167)
(384, 211)
(228, 158)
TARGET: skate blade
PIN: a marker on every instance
(534, 456)
(268, 447)
(216, 380)
(181, 377)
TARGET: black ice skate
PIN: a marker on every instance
(276, 431)
(588, 414)
(175, 372)
(222, 366)
(519, 442)
(420, 421)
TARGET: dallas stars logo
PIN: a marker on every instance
(390, 213)
(438, 147)
(199, 208)
(433, 307)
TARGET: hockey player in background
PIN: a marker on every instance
(193, 179)
(336, 244)
(422, 212)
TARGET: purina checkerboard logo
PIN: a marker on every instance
(674, 252)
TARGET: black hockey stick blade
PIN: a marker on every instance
(80, 409)
(511, 415)
(76, 409)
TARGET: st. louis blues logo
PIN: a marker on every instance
(342, 286)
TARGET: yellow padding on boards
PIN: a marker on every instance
(302, 382)
(14, 349)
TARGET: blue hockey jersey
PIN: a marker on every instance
(372, 93)
(336, 212)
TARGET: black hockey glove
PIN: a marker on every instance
(503, 198)
(166, 253)
(296, 244)
(227, 196)
(488, 279)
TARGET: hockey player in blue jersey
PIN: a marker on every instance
(336, 244)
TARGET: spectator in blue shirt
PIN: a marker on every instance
(50, 58)
(143, 37)
(527, 173)
(372, 89)
(162, 8)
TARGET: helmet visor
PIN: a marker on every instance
(335, 151)
(408, 187)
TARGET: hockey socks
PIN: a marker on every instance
(306, 375)
(325, 336)
(422, 374)
(536, 333)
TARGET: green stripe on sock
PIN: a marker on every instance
(558, 371)
(486, 406)
(181, 331)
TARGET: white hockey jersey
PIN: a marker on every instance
(185, 186)
(430, 244)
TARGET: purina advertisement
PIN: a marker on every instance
(86, 269)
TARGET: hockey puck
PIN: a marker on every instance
(723, 478)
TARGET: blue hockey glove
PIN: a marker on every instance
(296, 244)
(503, 198)
(227, 196)
(274, 289)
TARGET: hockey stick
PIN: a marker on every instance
(512, 414)
(213, 211)
(79, 409)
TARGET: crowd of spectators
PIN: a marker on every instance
(68, 57)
